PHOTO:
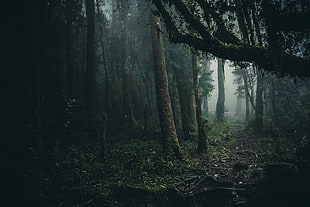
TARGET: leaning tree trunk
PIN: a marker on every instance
(220, 105)
(202, 136)
(169, 136)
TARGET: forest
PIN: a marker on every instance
(157, 103)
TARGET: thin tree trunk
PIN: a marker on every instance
(107, 88)
(185, 107)
(126, 68)
(70, 56)
(202, 136)
(259, 109)
(205, 107)
(37, 82)
(145, 119)
(238, 106)
(169, 135)
(220, 105)
(273, 98)
(247, 105)
(176, 108)
(90, 96)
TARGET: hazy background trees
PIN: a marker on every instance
(84, 72)
(90, 60)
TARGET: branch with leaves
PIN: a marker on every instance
(208, 30)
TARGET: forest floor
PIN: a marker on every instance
(239, 169)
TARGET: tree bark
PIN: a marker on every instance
(90, 92)
(246, 88)
(175, 104)
(104, 115)
(130, 119)
(70, 56)
(169, 136)
(202, 136)
(185, 97)
(223, 47)
(220, 105)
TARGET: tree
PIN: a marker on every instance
(259, 107)
(239, 91)
(205, 84)
(104, 112)
(204, 26)
(202, 136)
(178, 60)
(126, 68)
(70, 56)
(247, 96)
(220, 105)
(90, 91)
(170, 140)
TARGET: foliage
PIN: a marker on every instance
(288, 108)
(217, 27)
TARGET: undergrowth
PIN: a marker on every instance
(81, 173)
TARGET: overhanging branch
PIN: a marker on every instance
(207, 43)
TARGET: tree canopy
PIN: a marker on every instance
(271, 34)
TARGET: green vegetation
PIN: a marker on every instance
(139, 174)
(104, 109)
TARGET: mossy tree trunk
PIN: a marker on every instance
(169, 136)
(202, 135)
(220, 105)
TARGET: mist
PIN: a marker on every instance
(156, 103)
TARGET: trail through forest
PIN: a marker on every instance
(251, 172)
(239, 169)
(109, 103)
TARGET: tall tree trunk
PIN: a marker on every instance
(184, 101)
(247, 104)
(37, 78)
(202, 136)
(273, 98)
(104, 114)
(185, 113)
(126, 68)
(169, 135)
(70, 56)
(205, 104)
(238, 106)
(125, 57)
(205, 107)
(90, 92)
(220, 105)
(259, 109)
(176, 108)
